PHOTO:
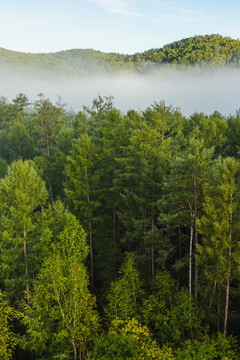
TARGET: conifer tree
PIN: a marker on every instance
(184, 195)
(218, 226)
(79, 188)
(125, 292)
(22, 193)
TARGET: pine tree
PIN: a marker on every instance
(22, 193)
(218, 226)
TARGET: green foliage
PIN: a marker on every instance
(209, 49)
(47, 118)
(150, 187)
(22, 193)
(171, 315)
(208, 349)
(125, 292)
(217, 223)
(8, 339)
(129, 340)
(60, 316)
(19, 142)
(3, 167)
(80, 178)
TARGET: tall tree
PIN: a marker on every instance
(184, 195)
(144, 167)
(60, 317)
(47, 117)
(22, 193)
(7, 337)
(218, 226)
(79, 187)
(125, 292)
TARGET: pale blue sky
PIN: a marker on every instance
(124, 26)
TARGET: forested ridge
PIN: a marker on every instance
(214, 50)
(119, 232)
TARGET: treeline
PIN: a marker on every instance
(208, 49)
(119, 233)
(211, 50)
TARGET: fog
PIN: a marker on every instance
(190, 90)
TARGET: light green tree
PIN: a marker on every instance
(7, 337)
(128, 339)
(60, 317)
(125, 292)
(22, 193)
(218, 225)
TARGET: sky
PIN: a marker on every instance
(123, 26)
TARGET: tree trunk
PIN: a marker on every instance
(90, 236)
(91, 257)
(214, 289)
(226, 308)
(47, 140)
(219, 311)
(190, 260)
(153, 258)
(114, 238)
(229, 271)
(114, 216)
(25, 260)
(196, 242)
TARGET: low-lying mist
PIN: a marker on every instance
(192, 90)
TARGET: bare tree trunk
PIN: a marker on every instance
(214, 289)
(114, 217)
(226, 308)
(229, 271)
(219, 311)
(196, 242)
(25, 259)
(190, 251)
(47, 140)
(153, 265)
(90, 236)
(227, 295)
(180, 244)
(153, 257)
(91, 257)
(114, 238)
(190, 260)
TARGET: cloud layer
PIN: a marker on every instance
(190, 90)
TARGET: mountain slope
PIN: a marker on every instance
(198, 50)
(208, 49)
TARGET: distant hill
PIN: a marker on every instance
(208, 49)
(212, 50)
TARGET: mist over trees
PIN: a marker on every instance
(119, 232)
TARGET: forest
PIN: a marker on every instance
(120, 233)
(198, 51)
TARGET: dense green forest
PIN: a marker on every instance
(119, 232)
(214, 50)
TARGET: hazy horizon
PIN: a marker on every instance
(111, 25)
(191, 90)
